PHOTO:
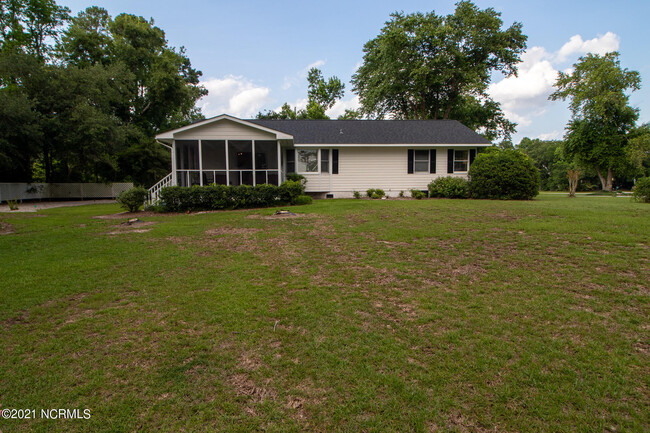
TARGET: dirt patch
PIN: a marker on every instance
(6, 229)
(244, 386)
(282, 216)
(231, 231)
(131, 227)
(124, 215)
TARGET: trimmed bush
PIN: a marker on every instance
(641, 190)
(449, 187)
(295, 177)
(132, 199)
(302, 200)
(356, 194)
(417, 194)
(375, 193)
(216, 197)
(503, 175)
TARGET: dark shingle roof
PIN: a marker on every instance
(375, 131)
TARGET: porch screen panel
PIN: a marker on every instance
(240, 154)
(266, 155)
(187, 154)
(213, 153)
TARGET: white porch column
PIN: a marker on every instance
(200, 162)
(279, 162)
(227, 165)
(174, 179)
(253, 150)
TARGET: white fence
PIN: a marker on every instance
(58, 191)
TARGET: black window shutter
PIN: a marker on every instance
(410, 156)
(450, 160)
(291, 161)
(432, 160)
(472, 155)
(335, 161)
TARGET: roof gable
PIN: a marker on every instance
(209, 127)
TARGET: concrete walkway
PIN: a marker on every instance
(36, 206)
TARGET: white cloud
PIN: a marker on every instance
(340, 106)
(234, 95)
(525, 97)
(299, 77)
(599, 45)
(553, 135)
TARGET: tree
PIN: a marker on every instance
(321, 96)
(601, 119)
(638, 151)
(28, 25)
(425, 66)
(91, 113)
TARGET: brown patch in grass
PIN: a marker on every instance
(135, 227)
(244, 386)
(219, 231)
(460, 423)
(6, 229)
(126, 215)
(277, 217)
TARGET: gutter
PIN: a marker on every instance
(166, 145)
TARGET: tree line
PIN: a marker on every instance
(81, 98)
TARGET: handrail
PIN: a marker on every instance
(154, 192)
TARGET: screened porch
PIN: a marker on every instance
(226, 162)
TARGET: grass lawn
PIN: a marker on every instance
(386, 315)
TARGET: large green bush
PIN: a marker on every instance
(132, 199)
(641, 190)
(448, 187)
(503, 174)
(216, 197)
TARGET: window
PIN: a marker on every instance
(325, 160)
(307, 161)
(421, 158)
(461, 160)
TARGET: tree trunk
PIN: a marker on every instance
(610, 178)
(606, 182)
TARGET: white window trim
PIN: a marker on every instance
(461, 160)
(317, 160)
(421, 160)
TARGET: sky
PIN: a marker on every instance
(254, 55)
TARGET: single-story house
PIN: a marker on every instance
(337, 157)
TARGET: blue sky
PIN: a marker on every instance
(254, 54)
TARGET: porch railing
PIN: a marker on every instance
(154, 191)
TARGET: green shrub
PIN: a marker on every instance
(503, 174)
(216, 197)
(296, 177)
(132, 199)
(356, 194)
(401, 194)
(302, 200)
(375, 193)
(448, 187)
(641, 190)
(417, 194)
(290, 190)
